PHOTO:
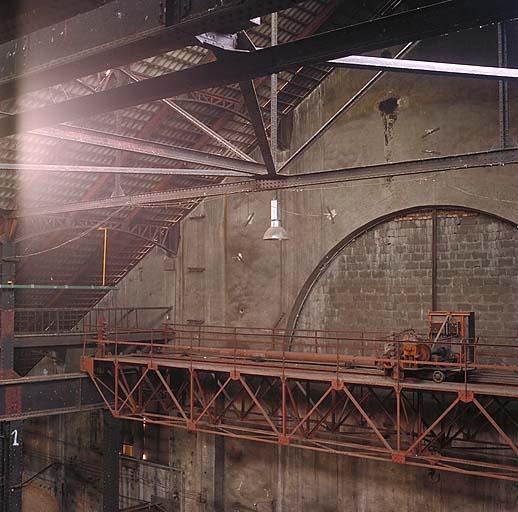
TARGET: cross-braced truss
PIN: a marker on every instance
(303, 399)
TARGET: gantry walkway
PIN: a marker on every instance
(320, 390)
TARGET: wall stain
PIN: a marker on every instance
(388, 109)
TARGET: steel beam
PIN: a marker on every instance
(31, 397)
(426, 67)
(411, 167)
(207, 130)
(254, 110)
(228, 17)
(35, 168)
(434, 20)
(350, 103)
(503, 85)
(251, 101)
(22, 18)
(104, 139)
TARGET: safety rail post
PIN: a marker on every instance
(191, 351)
(152, 346)
(465, 350)
(337, 359)
(398, 419)
(116, 398)
(101, 348)
(283, 412)
(191, 393)
(165, 331)
(284, 358)
(235, 349)
(397, 368)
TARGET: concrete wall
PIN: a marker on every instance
(226, 274)
(150, 284)
(382, 279)
(73, 443)
(247, 281)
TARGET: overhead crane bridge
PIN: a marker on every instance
(324, 391)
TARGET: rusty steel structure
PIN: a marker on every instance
(182, 97)
(318, 390)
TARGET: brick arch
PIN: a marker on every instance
(380, 275)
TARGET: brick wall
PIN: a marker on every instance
(382, 280)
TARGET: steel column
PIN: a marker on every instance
(11, 466)
(7, 310)
(11, 433)
(111, 447)
(219, 465)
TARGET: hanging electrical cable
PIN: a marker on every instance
(74, 239)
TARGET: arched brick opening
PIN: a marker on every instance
(380, 276)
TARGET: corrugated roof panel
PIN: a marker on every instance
(222, 105)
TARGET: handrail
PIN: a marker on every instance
(85, 320)
(319, 352)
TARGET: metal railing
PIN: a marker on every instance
(86, 321)
(331, 353)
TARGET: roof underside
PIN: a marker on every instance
(67, 249)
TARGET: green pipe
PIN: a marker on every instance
(54, 287)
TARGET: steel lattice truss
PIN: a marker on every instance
(314, 399)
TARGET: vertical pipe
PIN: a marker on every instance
(503, 85)
(273, 96)
(105, 252)
(398, 419)
(219, 463)
(7, 297)
(434, 259)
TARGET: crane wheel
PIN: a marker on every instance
(438, 376)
